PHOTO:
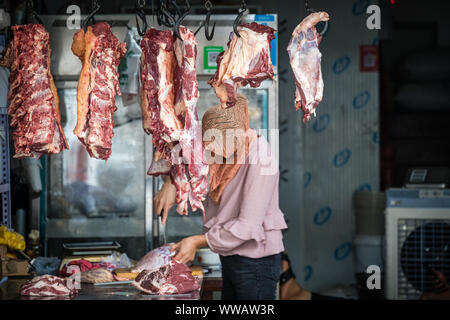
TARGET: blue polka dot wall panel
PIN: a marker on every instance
(341, 146)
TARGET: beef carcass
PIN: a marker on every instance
(157, 68)
(48, 285)
(100, 53)
(246, 61)
(305, 59)
(192, 149)
(34, 103)
(168, 100)
(171, 278)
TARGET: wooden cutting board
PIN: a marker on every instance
(126, 273)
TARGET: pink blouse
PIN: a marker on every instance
(248, 220)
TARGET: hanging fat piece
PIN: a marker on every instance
(100, 52)
(34, 103)
(246, 61)
(305, 58)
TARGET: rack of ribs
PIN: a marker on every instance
(34, 103)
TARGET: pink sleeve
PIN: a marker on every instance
(248, 225)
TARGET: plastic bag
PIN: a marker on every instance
(129, 69)
(44, 265)
(118, 260)
(13, 240)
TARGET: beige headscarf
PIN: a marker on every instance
(222, 120)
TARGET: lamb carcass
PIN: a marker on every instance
(100, 53)
(34, 103)
(304, 54)
(246, 61)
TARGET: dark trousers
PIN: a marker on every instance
(250, 279)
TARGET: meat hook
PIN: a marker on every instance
(239, 17)
(164, 16)
(309, 11)
(30, 6)
(176, 22)
(205, 23)
(141, 14)
(95, 9)
(180, 19)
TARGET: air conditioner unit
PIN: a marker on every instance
(417, 240)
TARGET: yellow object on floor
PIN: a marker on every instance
(13, 240)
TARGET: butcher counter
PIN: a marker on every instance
(9, 290)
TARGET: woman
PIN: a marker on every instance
(242, 221)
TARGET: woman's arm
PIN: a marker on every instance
(188, 247)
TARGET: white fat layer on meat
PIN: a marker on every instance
(252, 42)
(165, 87)
(45, 282)
(304, 65)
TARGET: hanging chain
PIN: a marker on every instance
(208, 5)
(308, 9)
(94, 5)
(141, 4)
(243, 5)
(30, 4)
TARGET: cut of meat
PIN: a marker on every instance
(34, 104)
(48, 285)
(100, 53)
(246, 61)
(154, 259)
(157, 68)
(168, 100)
(193, 151)
(305, 59)
(171, 278)
(97, 276)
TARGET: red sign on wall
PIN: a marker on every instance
(368, 58)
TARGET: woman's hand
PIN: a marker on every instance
(165, 199)
(187, 248)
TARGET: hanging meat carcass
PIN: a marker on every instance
(34, 103)
(246, 61)
(305, 59)
(186, 97)
(169, 97)
(100, 53)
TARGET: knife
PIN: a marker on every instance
(112, 283)
(163, 230)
